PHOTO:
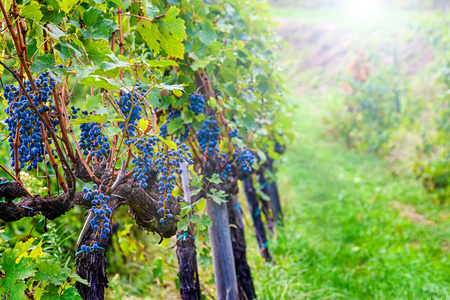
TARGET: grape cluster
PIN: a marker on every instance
(234, 133)
(144, 158)
(167, 161)
(173, 114)
(245, 160)
(22, 120)
(74, 112)
(100, 222)
(207, 137)
(226, 171)
(196, 103)
(92, 140)
(130, 106)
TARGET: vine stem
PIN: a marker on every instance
(18, 47)
(119, 12)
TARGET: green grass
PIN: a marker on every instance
(344, 235)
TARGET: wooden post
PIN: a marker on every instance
(253, 205)
(275, 199)
(265, 204)
(243, 272)
(222, 252)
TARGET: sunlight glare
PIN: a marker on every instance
(364, 10)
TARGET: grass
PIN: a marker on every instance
(348, 233)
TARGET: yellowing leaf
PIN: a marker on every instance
(177, 93)
(21, 248)
(164, 243)
(36, 251)
(201, 205)
(143, 124)
(66, 5)
(172, 45)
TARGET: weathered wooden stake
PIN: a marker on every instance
(243, 273)
(222, 252)
(275, 199)
(253, 205)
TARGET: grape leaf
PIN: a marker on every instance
(173, 24)
(201, 222)
(50, 271)
(215, 179)
(174, 125)
(118, 3)
(151, 35)
(12, 290)
(111, 131)
(101, 82)
(66, 5)
(150, 10)
(54, 31)
(91, 16)
(91, 102)
(217, 196)
(31, 10)
(172, 45)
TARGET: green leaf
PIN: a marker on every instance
(158, 270)
(215, 179)
(151, 35)
(187, 116)
(42, 62)
(101, 82)
(174, 125)
(150, 10)
(217, 196)
(116, 63)
(118, 3)
(172, 45)
(197, 181)
(19, 269)
(12, 289)
(97, 50)
(50, 271)
(195, 192)
(202, 222)
(111, 131)
(173, 24)
(92, 102)
(143, 124)
(169, 143)
(170, 87)
(183, 223)
(51, 15)
(91, 16)
(54, 31)
(98, 32)
(31, 10)
(161, 63)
